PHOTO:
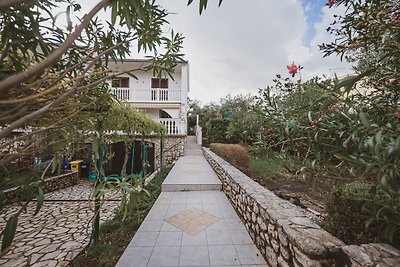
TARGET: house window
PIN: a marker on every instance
(120, 82)
(159, 83)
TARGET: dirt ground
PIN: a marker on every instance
(294, 189)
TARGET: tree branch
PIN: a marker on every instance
(54, 57)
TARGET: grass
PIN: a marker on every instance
(116, 234)
(266, 167)
(273, 166)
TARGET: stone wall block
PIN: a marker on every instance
(282, 232)
(282, 262)
(282, 237)
(271, 256)
(275, 245)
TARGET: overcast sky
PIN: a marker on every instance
(242, 45)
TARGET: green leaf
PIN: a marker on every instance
(9, 232)
(364, 120)
(69, 21)
(368, 222)
(54, 164)
(370, 142)
(316, 137)
(39, 200)
(384, 180)
(2, 199)
(350, 81)
(378, 137)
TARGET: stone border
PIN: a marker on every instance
(50, 184)
(283, 233)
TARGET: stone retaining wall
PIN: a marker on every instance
(173, 148)
(50, 184)
(282, 232)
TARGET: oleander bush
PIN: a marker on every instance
(352, 123)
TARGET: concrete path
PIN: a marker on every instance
(58, 233)
(192, 222)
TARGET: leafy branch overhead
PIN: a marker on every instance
(54, 75)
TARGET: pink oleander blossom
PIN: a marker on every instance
(331, 3)
(292, 69)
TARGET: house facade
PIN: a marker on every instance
(163, 99)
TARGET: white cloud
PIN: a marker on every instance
(240, 47)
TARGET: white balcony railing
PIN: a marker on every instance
(122, 94)
(174, 126)
(147, 95)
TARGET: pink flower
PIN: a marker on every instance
(292, 69)
(395, 17)
(331, 3)
(392, 80)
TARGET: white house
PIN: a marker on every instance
(164, 99)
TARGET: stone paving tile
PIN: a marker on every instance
(191, 228)
(57, 233)
(225, 242)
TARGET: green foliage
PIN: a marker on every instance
(216, 130)
(244, 127)
(9, 232)
(349, 209)
(116, 234)
(54, 77)
(121, 117)
(344, 214)
(353, 122)
(233, 153)
(270, 165)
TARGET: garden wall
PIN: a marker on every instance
(50, 184)
(282, 232)
(173, 148)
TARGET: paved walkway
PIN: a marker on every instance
(192, 222)
(58, 233)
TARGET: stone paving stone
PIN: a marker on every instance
(57, 233)
(194, 256)
(144, 239)
(194, 228)
(164, 256)
(249, 254)
(135, 257)
(169, 239)
(223, 255)
(198, 240)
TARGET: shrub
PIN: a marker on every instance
(234, 154)
(348, 217)
(205, 142)
(216, 130)
(344, 217)
(244, 127)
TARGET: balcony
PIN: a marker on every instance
(174, 126)
(147, 95)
